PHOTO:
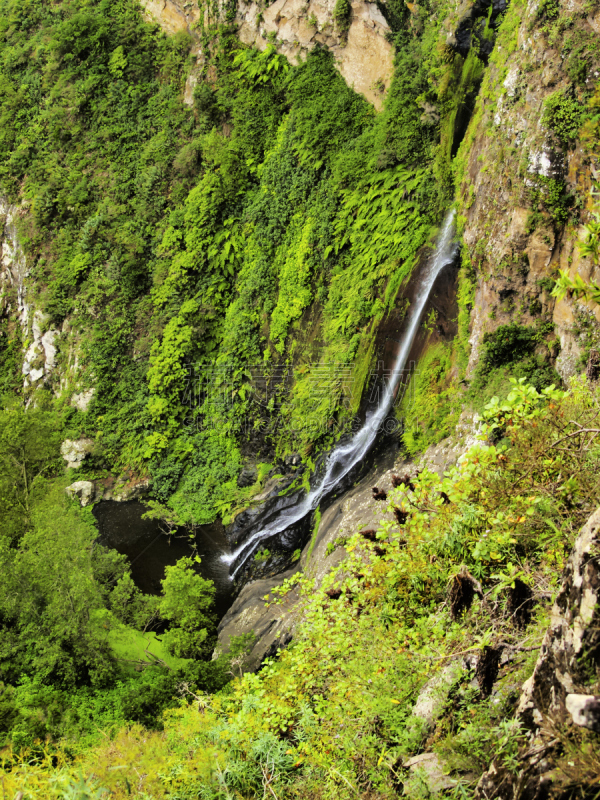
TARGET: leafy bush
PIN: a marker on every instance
(564, 115)
(342, 14)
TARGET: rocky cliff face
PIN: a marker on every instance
(360, 46)
(522, 177)
(563, 690)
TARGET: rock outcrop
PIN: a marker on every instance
(40, 357)
(74, 451)
(83, 491)
(12, 264)
(519, 181)
(363, 56)
(362, 53)
(81, 400)
(561, 692)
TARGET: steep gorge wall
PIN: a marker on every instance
(524, 190)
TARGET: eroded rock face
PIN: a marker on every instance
(557, 694)
(514, 244)
(82, 490)
(82, 400)
(40, 357)
(573, 632)
(74, 451)
(363, 56)
(365, 59)
(12, 263)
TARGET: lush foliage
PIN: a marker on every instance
(331, 715)
(430, 406)
(74, 628)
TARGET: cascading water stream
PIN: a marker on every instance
(345, 457)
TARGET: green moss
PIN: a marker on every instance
(467, 285)
(564, 115)
(431, 403)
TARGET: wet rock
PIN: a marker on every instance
(271, 625)
(74, 451)
(247, 477)
(292, 460)
(83, 491)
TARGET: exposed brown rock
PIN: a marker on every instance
(462, 592)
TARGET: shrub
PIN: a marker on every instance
(342, 14)
(563, 115)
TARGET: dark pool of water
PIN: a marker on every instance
(149, 550)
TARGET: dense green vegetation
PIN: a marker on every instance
(269, 227)
(73, 626)
(177, 251)
(355, 667)
(219, 274)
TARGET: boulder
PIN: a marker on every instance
(83, 490)
(247, 477)
(74, 451)
(584, 710)
(426, 770)
(82, 400)
(433, 696)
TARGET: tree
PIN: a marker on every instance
(186, 603)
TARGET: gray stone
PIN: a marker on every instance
(74, 451)
(584, 710)
(123, 491)
(550, 696)
(432, 698)
(82, 490)
(82, 400)
(272, 625)
(247, 476)
(427, 769)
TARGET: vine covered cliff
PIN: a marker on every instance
(215, 219)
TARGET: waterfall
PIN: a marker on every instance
(341, 460)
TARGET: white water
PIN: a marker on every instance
(345, 457)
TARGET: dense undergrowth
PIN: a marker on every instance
(220, 271)
(331, 715)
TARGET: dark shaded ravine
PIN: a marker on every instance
(149, 550)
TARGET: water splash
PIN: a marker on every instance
(341, 460)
